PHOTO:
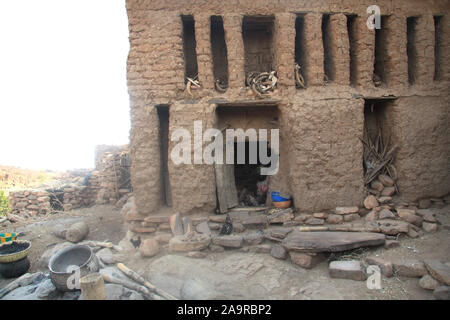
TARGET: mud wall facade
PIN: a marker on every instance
(320, 125)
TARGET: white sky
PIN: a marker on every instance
(62, 81)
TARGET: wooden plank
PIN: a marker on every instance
(331, 241)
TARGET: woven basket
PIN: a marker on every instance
(7, 258)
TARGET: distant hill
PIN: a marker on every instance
(14, 178)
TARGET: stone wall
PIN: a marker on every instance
(320, 126)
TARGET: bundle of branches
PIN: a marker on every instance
(299, 80)
(378, 157)
(192, 83)
(262, 83)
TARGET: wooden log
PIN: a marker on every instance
(93, 287)
(135, 276)
(131, 285)
(77, 232)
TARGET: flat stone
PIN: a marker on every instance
(163, 237)
(229, 241)
(347, 270)
(442, 293)
(346, 210)
(149, 248)
(219, 218)
(253, 238)
(388, 191)
(393, 227)
(386, 180)
(214, 226)
(157, 219)
(429, 227)
(370, 202)
(428, 282)
(278, 252)
(410, 268)
(256, 221)
(262, 248)
(306, 260)
(281, 216)
(196, 254)
(108, 257)
(320, 215)
(351, 217)
(190, 242)
(335, 219)
(314, 221)
(409, 215)
(386, 267)
(138, 229)
(331, 241)
(302, 217)
(176, 224)
(438, 270)
(280, 232)
(386, 214)
(203, 227)
(216, 248)
(238, 227)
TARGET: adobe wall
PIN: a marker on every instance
(320, 126)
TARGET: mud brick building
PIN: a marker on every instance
(398, 75)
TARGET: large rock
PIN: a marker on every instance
(442, 293)
(438, 270)
(278, 252)
(253, 238)
(149, 248)
(279, 233)
(190, 242)
(428, 282)
(306, 260)
(229, 241)
(410, 268)
(347, 210)
(353, 270)
(386, 267)
(371, 216)
(429, 227)
(393, 227)
(256, 221)
(331, 241)
(370, 202)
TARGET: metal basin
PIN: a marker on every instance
(62, 261)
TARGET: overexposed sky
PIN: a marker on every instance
(62, 81)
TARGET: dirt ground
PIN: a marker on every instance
(221, 275)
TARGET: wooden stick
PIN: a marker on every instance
(131, 285)
(136, 277)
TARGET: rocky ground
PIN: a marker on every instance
(229, 274)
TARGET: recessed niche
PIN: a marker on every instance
(351, 30)
(411, 23)
(438, 47)
(257, 33)
(300, 47)
(219, 51)
(381, 37)
(163, 119)
(328, 57)
(189, 47)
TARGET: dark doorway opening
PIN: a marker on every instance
(438, 47)
(300, 49)
(163, 117)
(328, 57)
(379, 68)
(250, 184)
(411, 23)
(351, 29)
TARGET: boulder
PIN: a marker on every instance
(189, 242)
(428, 282)
(410, 268)
(346, 210)
(278, 252)
(370, 202)
(386, 180)
(353, 270)
(429, 227)
(306, 260)
(442, 293)
(386, 267)
(149, 248)
(228, 241)
(438, 270)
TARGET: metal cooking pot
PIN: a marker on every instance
(60, 263)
